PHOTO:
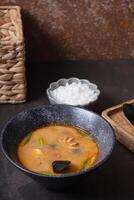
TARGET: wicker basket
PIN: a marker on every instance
(12, 56)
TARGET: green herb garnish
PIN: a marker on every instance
(83, 134)
(84, 164)
(41, 141)
(92, 160)
(45, 172)
(27, 139)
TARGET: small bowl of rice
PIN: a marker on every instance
(73, 91)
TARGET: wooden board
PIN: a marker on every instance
(124, 130)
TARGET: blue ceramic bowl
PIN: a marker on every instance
(30, 120)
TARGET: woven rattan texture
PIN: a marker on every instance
(12, 56)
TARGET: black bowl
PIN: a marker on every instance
(30, 120)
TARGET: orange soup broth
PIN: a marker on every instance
(40, 148)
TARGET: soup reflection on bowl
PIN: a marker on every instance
(57, 145)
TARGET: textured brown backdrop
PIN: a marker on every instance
(77, 29)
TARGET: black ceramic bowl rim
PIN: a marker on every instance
(21, 168)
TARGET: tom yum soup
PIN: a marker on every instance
(57, 149)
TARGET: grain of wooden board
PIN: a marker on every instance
(124, 130)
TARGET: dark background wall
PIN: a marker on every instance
(77, 29)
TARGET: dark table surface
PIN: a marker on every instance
(115, 180)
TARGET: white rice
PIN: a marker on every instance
(74, 94)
